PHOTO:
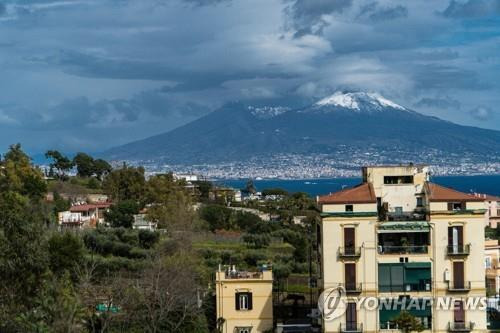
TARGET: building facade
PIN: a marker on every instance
(402, 240)
(244, 301)
(492, 266)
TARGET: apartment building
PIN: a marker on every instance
(399, 239)
(244, 300)
(492, 266)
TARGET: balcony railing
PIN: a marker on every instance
(458, 250)
(349, 252)
(464, 326)
(351, 327)
(409, 249)
(353, 288)
(424, 285)
(243, 275)
(390, 325)
(460, 286)
(406, 216)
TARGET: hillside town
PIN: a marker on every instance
(246, 260)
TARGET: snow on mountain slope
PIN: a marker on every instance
(358, 101)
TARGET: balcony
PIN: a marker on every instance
(407, 287)
(350, 252)
(466, 326)
(462, 286)
(458, 250)
(408, 249)
(392, 326)
(417, 215)
(352, 288)
(351, 327)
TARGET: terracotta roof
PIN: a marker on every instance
(87, 207)
(437, 192)
(362, 193)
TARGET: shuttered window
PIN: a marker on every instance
(243, 301)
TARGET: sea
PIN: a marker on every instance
(489, 184)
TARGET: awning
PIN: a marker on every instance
(414, 226)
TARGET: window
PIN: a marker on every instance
(487, 262)
(350, 276)
(456, 205)
(243, 301)
(391, 180)
(349, 208)
(398, 210)
(243, 329)
(420, 202)
(456, 239)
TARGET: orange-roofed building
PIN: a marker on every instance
(84, 215)
(398, 236)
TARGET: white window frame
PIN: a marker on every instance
(487, 262)
(243, 300)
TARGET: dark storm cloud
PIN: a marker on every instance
(95, 73)
(86, 65)
(374, 12)
(428, 77)
(439, 102)
(206, 2)
(472, 8)
(306, 16)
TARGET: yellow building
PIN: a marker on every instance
(492, 266)
(244, 301)
(397, 238)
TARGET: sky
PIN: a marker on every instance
(87, 75)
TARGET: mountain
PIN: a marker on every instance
(355, 119)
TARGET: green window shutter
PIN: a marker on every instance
(397, 277)
(384, 277)
(237, 300)
(250, 301)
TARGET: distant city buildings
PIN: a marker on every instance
(334, 165)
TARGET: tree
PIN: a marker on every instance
(126, 183)
(66, 251)
(250, 187)
(101, 168)
(84, 165)
(218, 217)
(169, 203)
(23, 256)
(122, 214)
(60, 162)
(408, 323)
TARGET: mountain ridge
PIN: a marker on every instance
(358, 120)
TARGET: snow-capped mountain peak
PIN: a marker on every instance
(357, 100)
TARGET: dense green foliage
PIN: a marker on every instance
(122, 213)
(117, 279)
(63, 281)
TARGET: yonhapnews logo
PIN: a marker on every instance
(332, 303)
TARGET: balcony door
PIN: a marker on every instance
(349, 241)
(350, 276)
(351, 317)
(458, 275)
(459, 314)
(456, 238)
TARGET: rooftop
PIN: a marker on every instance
(438, 193)
(362, 193)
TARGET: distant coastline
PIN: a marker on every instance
(489, 184)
